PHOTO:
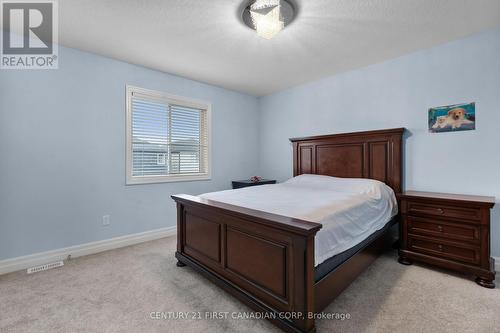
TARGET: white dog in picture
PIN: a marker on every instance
(455, 119)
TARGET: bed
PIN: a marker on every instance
(270, 256)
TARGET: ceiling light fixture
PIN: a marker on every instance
(268, 17)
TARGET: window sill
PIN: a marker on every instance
(138, 180)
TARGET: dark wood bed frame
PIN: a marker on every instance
(267, 260)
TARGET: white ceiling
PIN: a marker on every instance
(206, 41)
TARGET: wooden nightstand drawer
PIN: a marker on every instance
(417, 208)
(437, 228)
(448, 230)
(444, 249)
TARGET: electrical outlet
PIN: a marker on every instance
(106, 220)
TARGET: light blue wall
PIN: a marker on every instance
(62, 152)
(398, 93)
(62, 137)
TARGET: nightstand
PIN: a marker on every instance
(448, 230)
(248, 182)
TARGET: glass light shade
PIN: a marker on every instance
(266, 18)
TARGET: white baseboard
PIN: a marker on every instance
(24, 262)
(19, 263)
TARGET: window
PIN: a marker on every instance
(161, 159)
(168, 138)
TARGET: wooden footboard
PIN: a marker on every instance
(265, 260)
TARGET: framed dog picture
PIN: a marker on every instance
(451, 118)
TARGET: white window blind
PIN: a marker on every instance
(168, 138)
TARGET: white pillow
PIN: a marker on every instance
(349, 185)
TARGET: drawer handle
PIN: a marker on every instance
(440, 247)
(440, 228)
(425, 210)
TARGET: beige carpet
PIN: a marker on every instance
(116, 291)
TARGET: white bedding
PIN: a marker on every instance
(350, 209)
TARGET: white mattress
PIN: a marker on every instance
(350, 209)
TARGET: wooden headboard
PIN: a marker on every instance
(372, 154)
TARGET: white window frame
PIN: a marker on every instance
(173, 99)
